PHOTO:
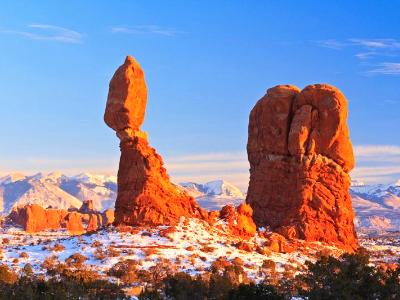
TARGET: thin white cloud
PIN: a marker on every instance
(376, 150)
(365, 55)
(46, 32)
(369, 45)
(332, 44)
(377, 163)
(387, 68)
(370, 49)
(145, 30)
(376, 43)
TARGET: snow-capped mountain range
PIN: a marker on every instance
(377, 206)
(214, 195)
(57, 190)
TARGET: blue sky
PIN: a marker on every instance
(206, 64)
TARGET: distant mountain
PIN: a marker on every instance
(214, 194)
(377, 206)
(57, 190)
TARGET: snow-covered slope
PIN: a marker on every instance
(214, 194)
(377, 206)
(57, 190)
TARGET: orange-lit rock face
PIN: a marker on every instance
(145, 194)
(34, 218)
(127, 98)
(239, 220)
(74, 223)
(300, 155)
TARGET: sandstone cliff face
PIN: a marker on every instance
(300, 155)
(145, 194)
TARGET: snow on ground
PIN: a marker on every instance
(192, 246)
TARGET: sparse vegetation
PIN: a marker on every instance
(347, 277)
(58, 248)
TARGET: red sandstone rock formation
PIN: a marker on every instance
(145, 194)
(239, 220)
(94, 223)
(108, 217)
(34, 218)
(74, 223)
(300, 155)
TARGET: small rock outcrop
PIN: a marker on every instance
(34, 218)
(145, 194)
(239, 220)
(300, 157)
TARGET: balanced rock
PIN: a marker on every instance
(300, 157)
(145, 194)
(127, 99)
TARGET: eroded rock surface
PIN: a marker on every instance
(145, 194)
(239, 220)
(300, 155)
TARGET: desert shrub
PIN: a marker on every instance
(347, 277)
(125, 270)
(99, 253)
(254, 292)
(7, 275)
(112, 252)
(23, 255)
(49, 263)
(149, 251)
(182, 286)
(160, 271)
(76, 260)
(268, 272)
(66, 286)
(150, 294)
(58, 248)
(391, 288)
(207, 249)
(96, 244)
(27, 270)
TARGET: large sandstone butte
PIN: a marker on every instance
(300, 156)
(145, 194)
